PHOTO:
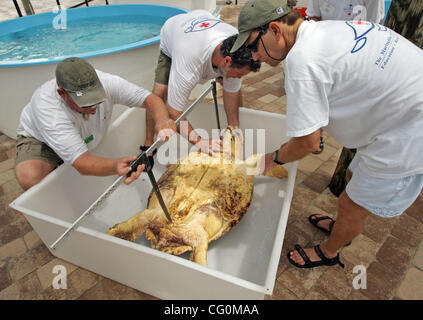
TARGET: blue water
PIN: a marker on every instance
(80, 36)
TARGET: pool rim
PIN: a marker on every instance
(87, 54)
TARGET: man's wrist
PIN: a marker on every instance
(275, 158)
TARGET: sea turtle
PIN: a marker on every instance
(205, 196)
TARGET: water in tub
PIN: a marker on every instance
(78, 36)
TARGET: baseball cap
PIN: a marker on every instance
(80, 80)
(257, 13)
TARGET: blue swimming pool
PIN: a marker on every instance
(85, 32)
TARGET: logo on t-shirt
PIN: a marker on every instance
(201, 25)
(361, 29)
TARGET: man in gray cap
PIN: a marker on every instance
(355, 80)
(69, 115)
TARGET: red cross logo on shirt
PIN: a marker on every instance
(204, 25)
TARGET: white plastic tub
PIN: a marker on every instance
(241, 265)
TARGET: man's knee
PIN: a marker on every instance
(349, 210)
(31, 172)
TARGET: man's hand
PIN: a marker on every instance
(237, 132)
(123, 168)
(165, 129)
(212, 147)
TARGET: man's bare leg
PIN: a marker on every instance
(349, 224)
(31, 172)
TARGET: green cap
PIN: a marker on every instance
(257, 13)
(79, 79)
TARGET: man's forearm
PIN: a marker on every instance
(298, 148)
(87, 164)
(231, 101)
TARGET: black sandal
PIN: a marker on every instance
(314, 222)
(309, 264)
(150, 158)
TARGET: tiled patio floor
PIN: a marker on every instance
(390, 249)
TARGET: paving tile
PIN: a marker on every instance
(395, 255)
(6, 165)
(41, 254)
(412, 286)
(300, 281)
(95, 293)
(378, 228)
(5, 279)
(329, 166)
(381, 282)
(32, 239)
(409, 230)
(7, 176)
(336, 282)
(318, 293)
(117, 291)
(418, 258)
(362, 251)
(317, 181)
(30, 287)
(416, 209)
(309, 164)
(358, 294)
(7, 216)
(69, 293)
(14, 230)
(327, 202)
(20, 266)
(82, 280)
(10, 293)
(301, 176)
(282, 293)
(14, 249)
(302, 197)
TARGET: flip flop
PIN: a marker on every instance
(311, 264)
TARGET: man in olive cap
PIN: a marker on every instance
(69, 115)
(355, 80)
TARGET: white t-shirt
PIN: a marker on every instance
(368, 10)
(49, 119)
(189, 39)
(363, 83)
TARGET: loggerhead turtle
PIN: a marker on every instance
(205, 196)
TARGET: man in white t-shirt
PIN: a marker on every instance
(194, 48)
(69, 115)
(368, 10)
(358, 81)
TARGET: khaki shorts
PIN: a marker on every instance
(28, 148)
(163, 69)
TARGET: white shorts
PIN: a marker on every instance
(386, 198)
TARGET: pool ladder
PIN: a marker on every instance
(30, 10)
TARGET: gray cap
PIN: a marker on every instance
(79, 79)
(256, 13)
